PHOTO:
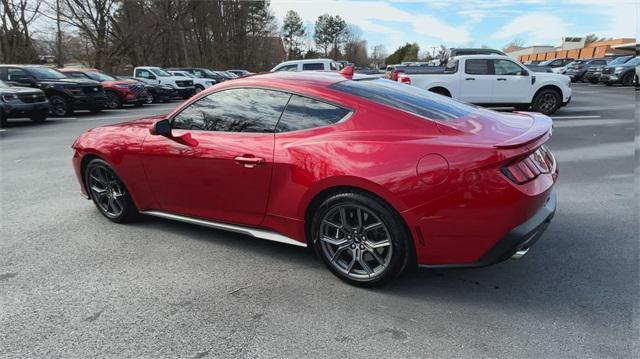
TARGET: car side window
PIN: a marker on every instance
(313, 67)
(477, 67)
(506, 67)
(145, 74)
(288, 68)
(234, 110)
(302, 113)
(16, 75)
(77, 75)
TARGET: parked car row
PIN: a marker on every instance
(621, 70)
(35, 91)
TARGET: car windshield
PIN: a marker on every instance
(545, 63)
(160, 73)
(183, 74)
(406, 98)
(100, 76)
(620, 60)
(45, 73)
(634, 62)
(230, 74)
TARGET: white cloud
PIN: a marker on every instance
(372, 15)
(536, 28)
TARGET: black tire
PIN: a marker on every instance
(59, 106)
(113, 101)
(108, 192)
(199, 88)
(627, 79)
(38, 117)
(547, 101)
(151, 98)
(3, 119)
(392, 240)
(96, 109)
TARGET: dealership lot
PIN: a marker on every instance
(73, 284)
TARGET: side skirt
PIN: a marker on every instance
(254, 232)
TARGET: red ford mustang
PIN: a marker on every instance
(375, 175)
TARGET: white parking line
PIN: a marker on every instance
(574, 117)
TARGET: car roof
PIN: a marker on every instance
(483, 56)
(78, 69)
(305, 61)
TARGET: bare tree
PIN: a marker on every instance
(16, 43)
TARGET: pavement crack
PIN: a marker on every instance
(239, 289)
(94, 316)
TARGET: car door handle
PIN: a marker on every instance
(470, 78)
(502, 79)
(249, 161)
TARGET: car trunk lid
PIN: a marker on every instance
(498, 129)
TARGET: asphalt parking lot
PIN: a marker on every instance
(74, 285)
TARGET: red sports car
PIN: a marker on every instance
(373, 174)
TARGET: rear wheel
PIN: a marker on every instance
(108, 192)
(199, 88)
(59, 106)
(360, 239)
(627, 80)
(547, 101)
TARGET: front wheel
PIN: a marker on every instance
(59, 106)
(547, 101)
(113, 101)
(360, 239)
(38, 117)
(108, 192)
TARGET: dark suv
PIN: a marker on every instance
(65, 94)
(18, 101)
(577, 69)
(621, 73)
(594, 73)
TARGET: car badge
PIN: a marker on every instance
(34, 95)
(95, 89)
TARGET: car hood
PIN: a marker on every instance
(76, 82)
(19, 90)
(119, 82)
(498, 129)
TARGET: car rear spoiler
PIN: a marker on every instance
(541, 129)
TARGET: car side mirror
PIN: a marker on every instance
(161, 128)
(525, 73)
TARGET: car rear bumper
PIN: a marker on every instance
(515, 243)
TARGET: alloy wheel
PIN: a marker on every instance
(58, 106)
(547, 102)
(355, 241)
(106, 190)
(112, 101)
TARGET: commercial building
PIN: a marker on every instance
(574, 47)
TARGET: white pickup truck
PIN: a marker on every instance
(155, 75)
(495, 80)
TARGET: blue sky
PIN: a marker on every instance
(473, 22)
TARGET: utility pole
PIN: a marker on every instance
(60, 57)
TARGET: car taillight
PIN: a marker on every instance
(529, 168)
(405, 80)
(394, 75)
